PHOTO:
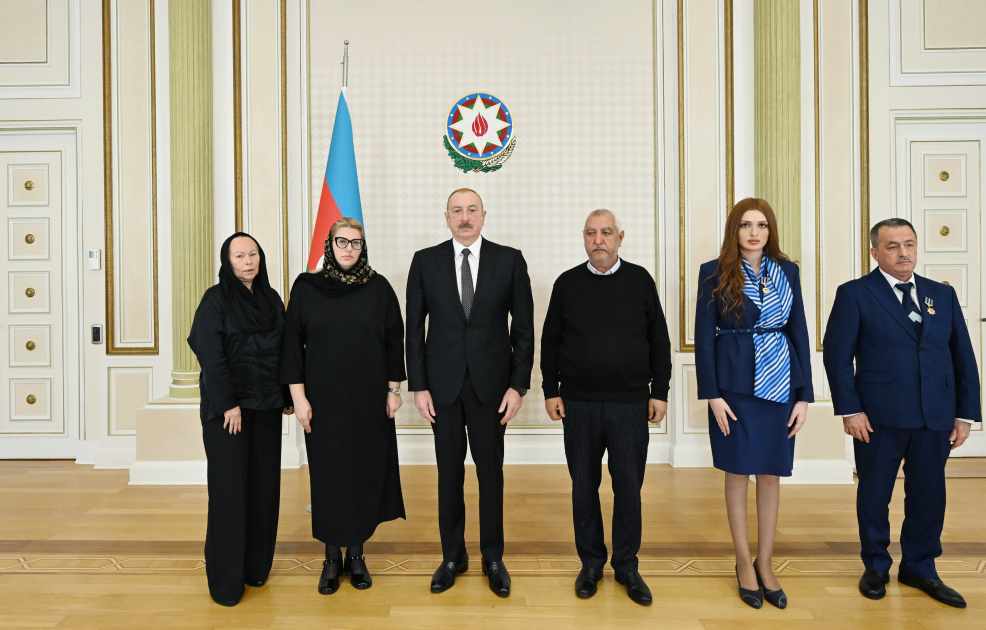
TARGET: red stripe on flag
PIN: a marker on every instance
(328, 213)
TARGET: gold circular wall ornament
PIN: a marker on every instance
(28, 185)
(30, 345)
(946, 283)
(944, 230)
(29, 239)
(29, 292)
(943, 176)
(31, 399)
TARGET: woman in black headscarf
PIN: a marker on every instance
(236, 336)
(344, 361)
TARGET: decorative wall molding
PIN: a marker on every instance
(40, 86)
(112, 175)
(724, 165)
(913, 63)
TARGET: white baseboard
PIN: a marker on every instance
(542, 447)
(691, 456)
(115, 457)
(820, 471)
(178, 473)
(86, 453)
(291, 457)
(38, 447)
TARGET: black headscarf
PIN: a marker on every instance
(334, 281)
(255, 312)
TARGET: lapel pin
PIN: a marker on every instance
(929, 303)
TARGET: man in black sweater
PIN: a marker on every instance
(605, 341)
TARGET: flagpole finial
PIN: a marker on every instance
(345, 63)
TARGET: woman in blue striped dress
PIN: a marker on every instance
(752, 360)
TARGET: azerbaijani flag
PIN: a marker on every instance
(340, 188)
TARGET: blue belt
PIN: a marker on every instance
(754, 331)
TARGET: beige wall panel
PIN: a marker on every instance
(945, 231)
(30, 399)
(696, 411)
(838, 247)
(704, 160)
(821, 436)
(954, 24)
(30, 346)
(129, 390)
(56, 71)
(578, 78)
(944, 176)
(23, 31)
(946, 56)
(28, 185)
(262, 130)
(28, 239)
(28, 292)
(132, 164)
(952, 275)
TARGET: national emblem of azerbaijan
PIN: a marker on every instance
(479, 133)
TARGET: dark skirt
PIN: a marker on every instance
(757, 443)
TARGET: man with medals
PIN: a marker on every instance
(913, 396)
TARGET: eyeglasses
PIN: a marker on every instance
(343, 243)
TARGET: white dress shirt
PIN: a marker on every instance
(611, 271)
(457, 247)
(900, 296)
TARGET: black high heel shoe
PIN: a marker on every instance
(753, 599)
(328, 582)
(359, 574)
(777, 598)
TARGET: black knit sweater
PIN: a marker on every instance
(605, 337)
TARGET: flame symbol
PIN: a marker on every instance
(480, 126)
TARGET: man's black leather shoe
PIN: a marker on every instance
(585, 584)
(934, 587)
(872, 584)
(498, 577)
(444, 577)
(256, 583)
(359, 575)
(636, 587)
(328, 582)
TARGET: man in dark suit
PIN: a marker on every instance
(471, 371)
(913, 395)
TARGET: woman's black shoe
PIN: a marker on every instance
(753, 599)
(359, 574)
(777, 598)
(328, 583)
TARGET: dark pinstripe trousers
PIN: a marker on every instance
(591, 428)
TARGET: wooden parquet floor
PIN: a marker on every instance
(79, 548)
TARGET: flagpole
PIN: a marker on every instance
(345, 64)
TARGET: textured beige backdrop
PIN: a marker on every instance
(578, 77)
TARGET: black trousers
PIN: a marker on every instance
(591, 428)
(486, 445)
(244, 497)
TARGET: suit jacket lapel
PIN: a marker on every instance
(926, 289)
(487, 263)
(886, 296)
(446, 269)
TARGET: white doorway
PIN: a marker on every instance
(40, 368)
(939, 175)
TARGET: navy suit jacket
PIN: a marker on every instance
(901, 379)
(727, 361)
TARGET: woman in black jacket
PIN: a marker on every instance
(236, 336)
